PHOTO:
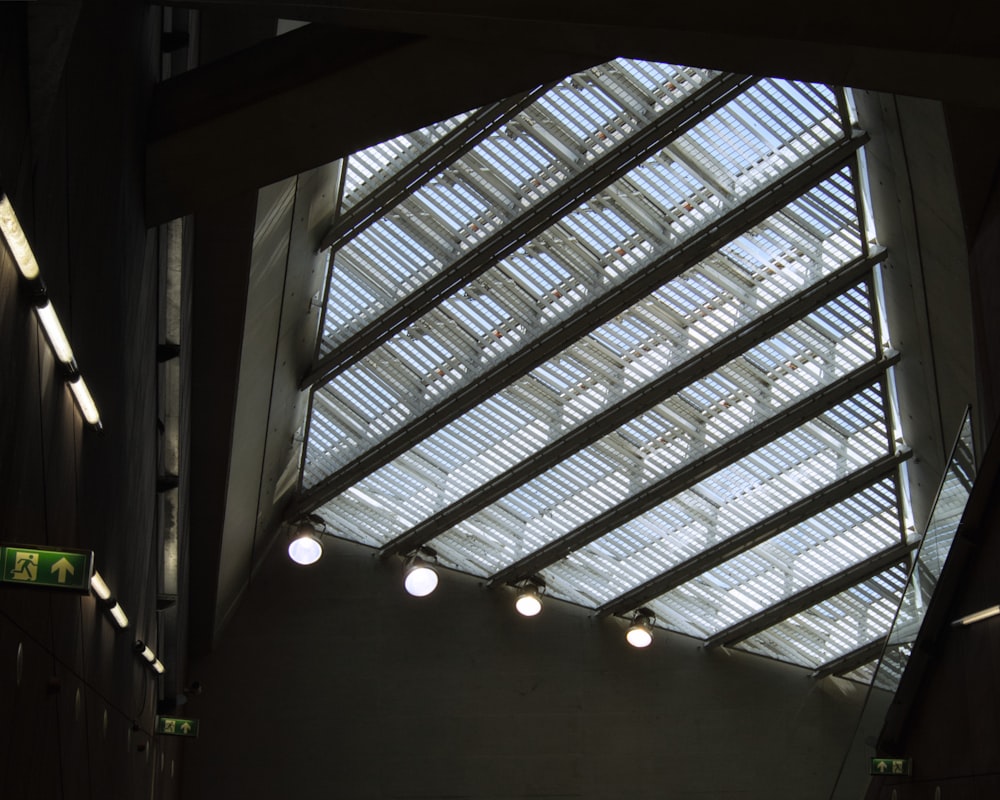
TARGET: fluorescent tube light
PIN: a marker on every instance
(99, 586)
(118, 615)
(16, 240)
(85, 401)
(55, 333)
(979, 616)
(158, 666)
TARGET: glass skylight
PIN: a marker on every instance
(573, 348)
(835, 626)
(811, 237)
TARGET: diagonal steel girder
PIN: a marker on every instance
(480, 124)
(609, 420)
(850, 661)
(810, 596)
(568, 196)
(684, 478)
(783, 520)
(581, 322)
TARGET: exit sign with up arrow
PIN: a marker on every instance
(889, 766)
(177, 726)
(29, 565)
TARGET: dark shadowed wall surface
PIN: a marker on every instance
(330, 681)
(76, 705)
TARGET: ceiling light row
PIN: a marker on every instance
(27, 264)
(420, 577)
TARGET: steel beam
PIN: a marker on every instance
(783, 520)
(584, 320)
(684, 478)
(850, 661)
(817, 593)
(641, 401)
(480, 124)
(560, 202)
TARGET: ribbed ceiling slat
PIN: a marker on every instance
(501, 178)
(738, 283)
(835, 626)
(759, 360)
(790, 468)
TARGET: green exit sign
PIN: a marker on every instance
(177, 726)
(889, 766)
(28, 565)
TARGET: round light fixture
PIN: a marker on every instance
(640, 632)
(420, 578)
(528, 602)
(305, 549)
(306, 545)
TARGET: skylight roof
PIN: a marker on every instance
(619, 333)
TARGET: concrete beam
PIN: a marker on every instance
(943, 52)
(311, 96)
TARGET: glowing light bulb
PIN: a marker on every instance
(305, 549)
(528, 603)
(640, 633)
(421, 579)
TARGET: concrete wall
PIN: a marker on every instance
(330, 681)
(76, 704)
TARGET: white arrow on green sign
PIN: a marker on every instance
(177, 726)
(889, 766)
(28, 565)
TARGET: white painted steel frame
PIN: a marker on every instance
(728, 157)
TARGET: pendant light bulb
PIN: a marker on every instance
(640, 632)
(528, 602)
(306, 545)
(420, 578)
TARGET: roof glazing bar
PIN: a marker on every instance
(667, 385)
(473, 129)
(816, 593)
(749, 537)
(587, 318)
(848, 662)
(657, 492)
(609, 168)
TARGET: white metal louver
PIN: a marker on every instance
(625, 339)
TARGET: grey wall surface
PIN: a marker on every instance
(330, 681)
(76, 704)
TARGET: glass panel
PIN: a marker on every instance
(733, 154)
(755, 386)
(746, 278)
(633, 226)
(370, 168)
(835, 626)
(793, 466)
(942, 526)
(705, 416)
